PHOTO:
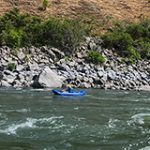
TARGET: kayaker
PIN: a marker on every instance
(67, 88)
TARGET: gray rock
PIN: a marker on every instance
(88, 39)
(79, 55)
(5, 84)
(31, 50)
(21, 77)
(92, 46)
(4, 62)
(21, 55)
(143, 75)
(79, 77)
(17, 84)
(64, 67)
(85, 79)
(72, 75)
(61, 61)
(72, 63)
(100, 74)
(79, 68)
(50, 60)
(47, 78)
(58, 53)
(80, 61)
(111, 74)
(51, 54)
(33, 66)
(90, 80)
(1, 75)
(98, 68)
(145, 88)
(132, 84)
(104, 78)
(8, 72)
(10, 79)
(44, 61)
(52, 66)
(19, 68)
(85, 85)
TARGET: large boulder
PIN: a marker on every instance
(145, 88)
(4, 83)
(47, 78)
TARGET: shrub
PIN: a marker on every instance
(12, 28)
(66, 34)
(144, 48)
(45, 4)
(130, 40)
(96, 57)
(140, 33)
(18, 30)
(32, 31)
(11, 66)
(14, 19)
(119, 40)
(137, 31)
(12, 38)
(133, 53)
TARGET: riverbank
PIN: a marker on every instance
(50, 67)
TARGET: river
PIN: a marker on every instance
(101, 120)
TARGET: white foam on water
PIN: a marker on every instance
(76, 108)
(145, 148)
(29, 123)
(52, 119)
(141, 118)
(3, 118)
(12, 129)
(39, 90)
(24, 110)
(112, 123)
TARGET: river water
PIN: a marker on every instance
(101, 120)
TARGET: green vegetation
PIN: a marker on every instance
(129, 40)
(11, 66)
(45, 4)
(132, 41)
(18, 30)
(95, 57)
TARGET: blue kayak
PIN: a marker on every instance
(74, 93)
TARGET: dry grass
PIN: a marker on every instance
(120, 9)
(97, 10)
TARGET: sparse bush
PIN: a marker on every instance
(11, 66)
(96, 57)
(144, 48)
(12, 38)
(136, 31)
(130, 41)
(18, 30)
(66, 34)
(45, 4)
(120, 41)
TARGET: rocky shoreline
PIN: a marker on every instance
(49, 67)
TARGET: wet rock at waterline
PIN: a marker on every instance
(47, 78)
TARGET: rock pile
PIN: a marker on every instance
(49, 67)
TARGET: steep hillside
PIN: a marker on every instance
(130, 10)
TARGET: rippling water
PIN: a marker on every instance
(101, 120)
